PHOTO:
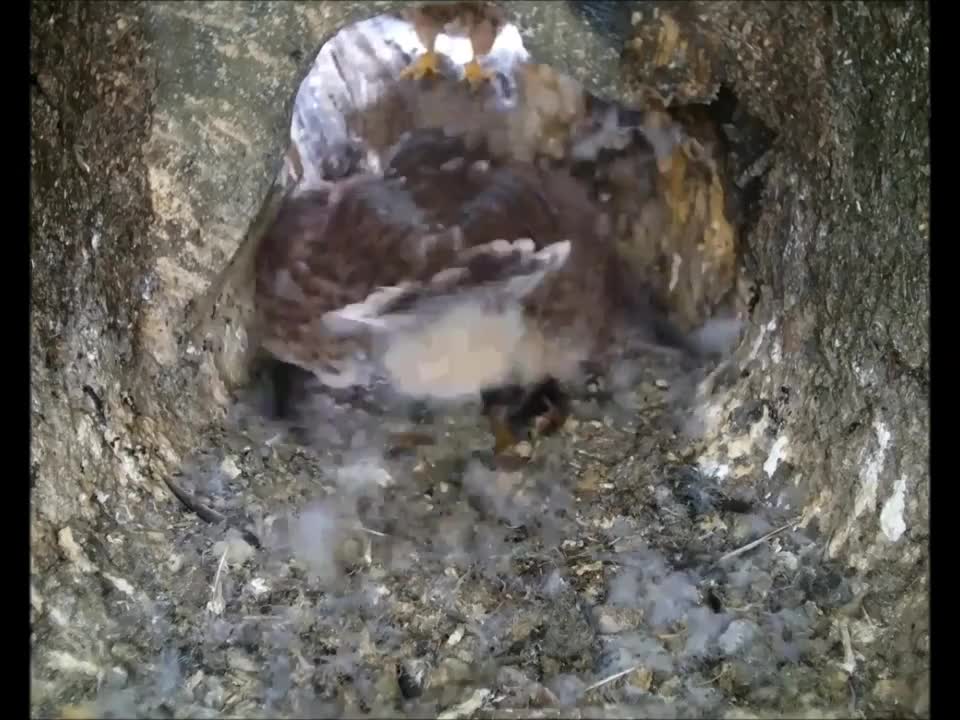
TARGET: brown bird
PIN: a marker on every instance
(480, 21)
(454, 274)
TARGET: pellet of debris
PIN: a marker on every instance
(641, 678)
(456, 636)
(229, 468)
(237, 549)
(240, 661)
(523, 449)
(451, 671)
(613, 620)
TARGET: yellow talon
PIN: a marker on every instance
(475, 74)
(426, 64)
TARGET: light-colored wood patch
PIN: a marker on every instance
(232, 131)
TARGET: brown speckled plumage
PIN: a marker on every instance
(330, 248)
(437, 201)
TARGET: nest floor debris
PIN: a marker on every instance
(605, 576)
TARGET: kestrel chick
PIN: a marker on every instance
(455, 274)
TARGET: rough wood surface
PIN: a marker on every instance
(157, 129)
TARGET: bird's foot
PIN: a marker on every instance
(475, 75)
(426, 64)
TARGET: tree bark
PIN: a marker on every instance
(157, 129)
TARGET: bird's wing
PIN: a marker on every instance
(503, 231)
(498, 273)
(448, 222)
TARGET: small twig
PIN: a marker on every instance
(849, 663)
(216, 604)
(670, 511)
(759, 541)
(596, 458)
(377, 533)
(191, 502)
(456, 588)
(209, 515)
(711, 681)
(749, 607)
(80, 161)
(852, 707)
(757, 168)
(606, 680)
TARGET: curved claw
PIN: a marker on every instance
(475, 74)
(426, 64)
